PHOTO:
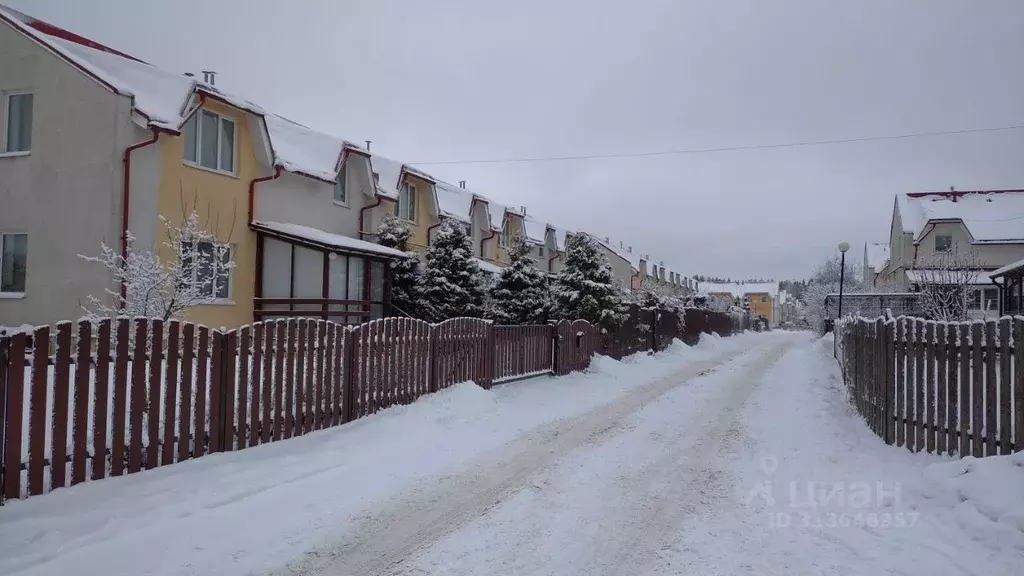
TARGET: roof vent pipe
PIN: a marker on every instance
(210, 77)
(368, 142)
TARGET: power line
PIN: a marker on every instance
(723, 149)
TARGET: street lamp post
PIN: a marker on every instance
(843, 247)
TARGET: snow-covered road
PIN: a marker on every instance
(738, 456)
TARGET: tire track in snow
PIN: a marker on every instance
(379, 543)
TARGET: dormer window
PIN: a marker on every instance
(943, 243)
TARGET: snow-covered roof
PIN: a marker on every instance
(534, 229)
(160, 96)
(632, 257)
(389, 174)
(739, 289)
(1012, 267)
(983, 277)
(990, 216)
(453, 201)
(877, 255)
(304, 150)
(330, 239)
(487, 267)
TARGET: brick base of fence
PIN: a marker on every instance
(87, 402)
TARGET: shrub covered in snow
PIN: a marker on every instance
(406, 272)
(584, 289)
(452, 283)
(519, 294)
(196, 273)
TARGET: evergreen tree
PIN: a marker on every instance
(584, 288)
(520, 293)
(406, 272)
(452, 283)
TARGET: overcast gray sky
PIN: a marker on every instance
(471, 79)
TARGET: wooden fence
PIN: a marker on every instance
(947, 388)
(86, 402)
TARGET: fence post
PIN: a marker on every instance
(348, 371)
(432, 361)
(488, 359)
(218, 389)
(889, 382)
(5, 344)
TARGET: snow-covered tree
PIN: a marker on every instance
(452, 283)
(945, 281)
(197, 272)
(825, 281)
(520, 295)
(406, 272)
(585, 289)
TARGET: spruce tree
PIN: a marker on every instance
(452, 283)
(584, 288)
(520, 295)
(406, 272)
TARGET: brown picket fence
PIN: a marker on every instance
(941, 387)
(100, 399)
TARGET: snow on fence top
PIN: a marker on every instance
(983, 213)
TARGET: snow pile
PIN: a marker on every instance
(986, 497)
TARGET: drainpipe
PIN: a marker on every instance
(126, 199)
(551, 260)
(431, 229)
(362, 213)
(482, 240)
(252, 189)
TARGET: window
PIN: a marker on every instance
(211, 274)
(13, 262)
(18, 122)
(764, 299)
(339, 188)
(406, 208)
(210, 141)
(991, 298)
(503, 238)
(540, 251)
(943, 243)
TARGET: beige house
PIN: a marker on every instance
(927, 227)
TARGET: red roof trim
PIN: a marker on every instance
(57, 31)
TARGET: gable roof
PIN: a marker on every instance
(876, 255)
(990, 216)
(453, 201)
(534, 230)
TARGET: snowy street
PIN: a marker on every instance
(738, 456)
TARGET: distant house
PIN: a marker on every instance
(876, 256)
(927, 226)
(758, 297)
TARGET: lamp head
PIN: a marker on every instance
(843, 247)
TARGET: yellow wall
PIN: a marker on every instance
(424, 219)
(515, 227)
(222, 202)
(757, 308)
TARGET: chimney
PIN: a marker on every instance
(620, 244)
(629, 249)
(189, 74)
(607, 240)
(368, 142)
(210, 77)
(523, 210)
(462, 184)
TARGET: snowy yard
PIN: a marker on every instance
(738, 456)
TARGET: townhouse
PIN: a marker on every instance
(975, 231)
(294, 212)
(759, 298)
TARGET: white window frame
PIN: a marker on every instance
(503, 237)
(3, 235)
(949, 247)
(408, 191)
(229, 299)
(199, 143)
(339, 186)
(7, 95)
